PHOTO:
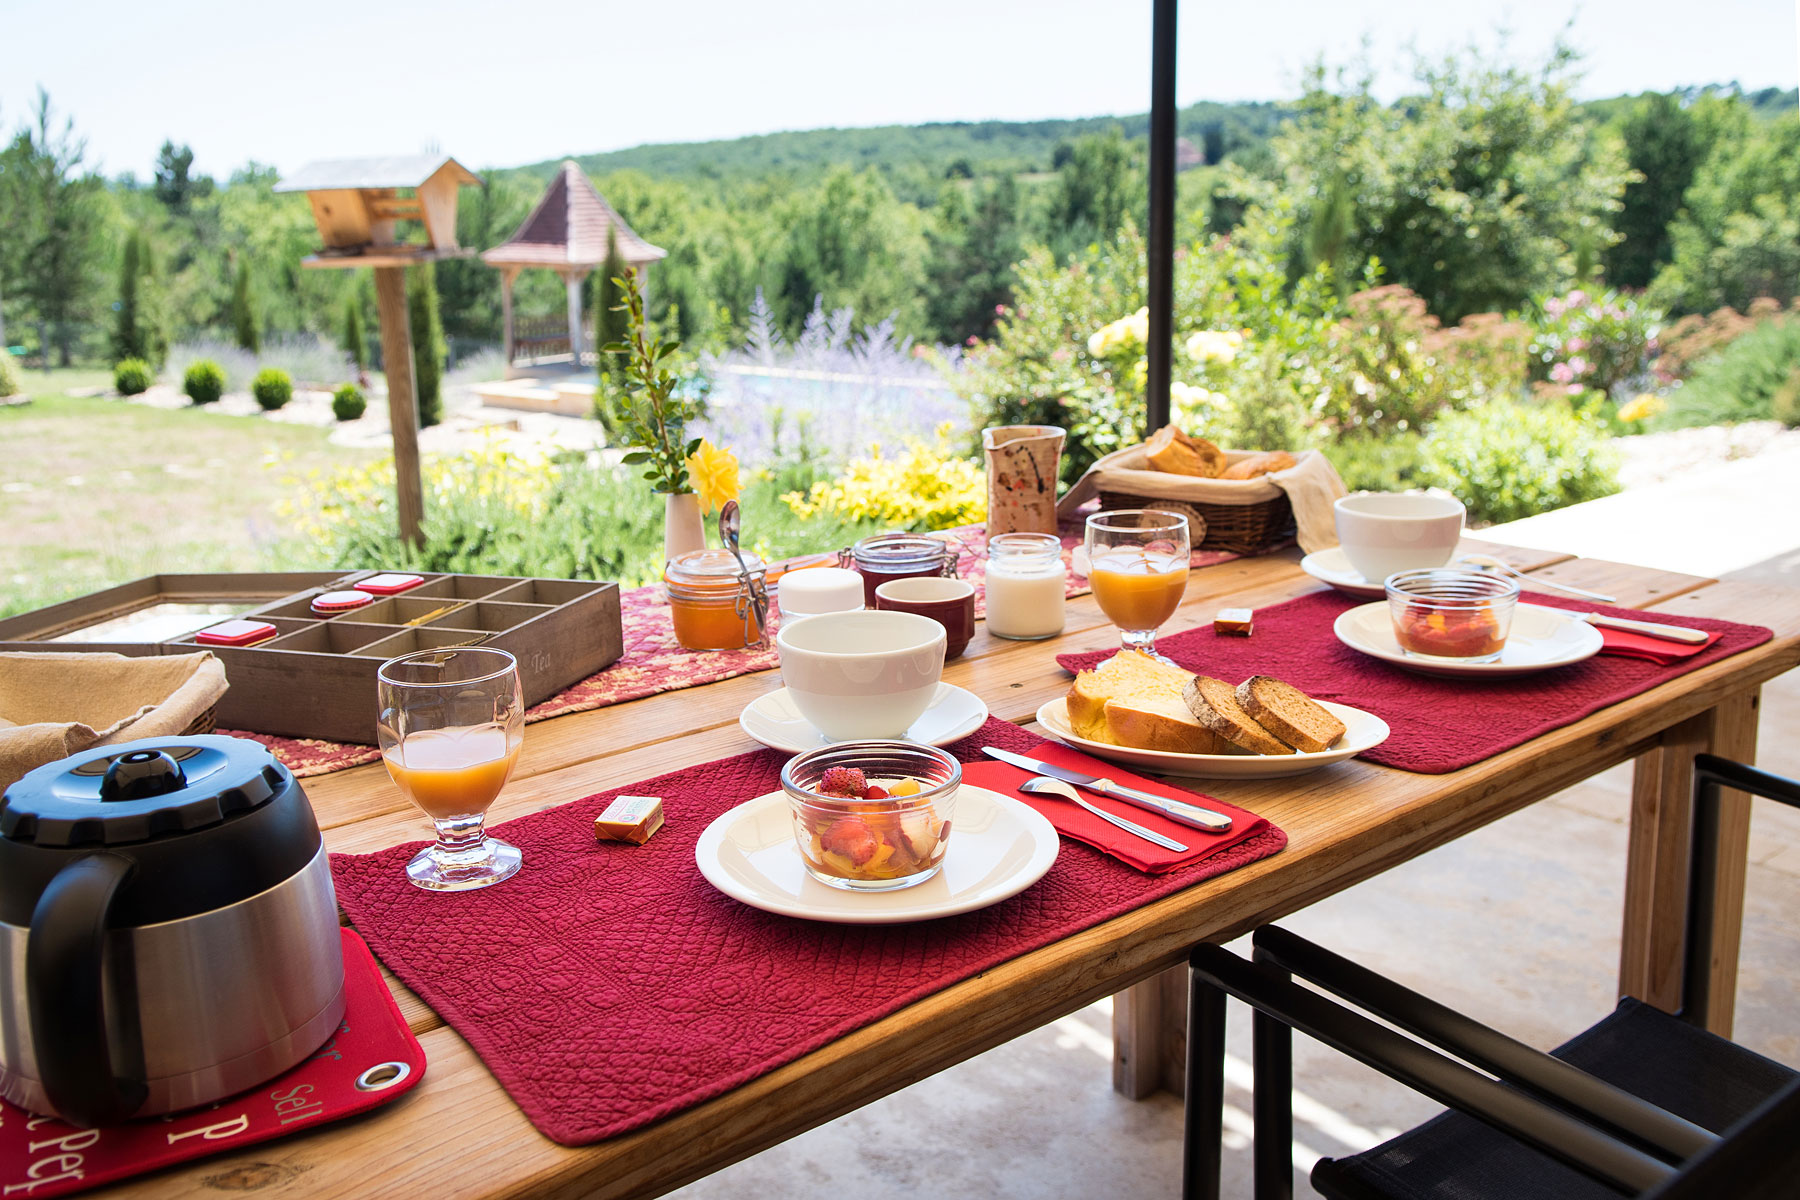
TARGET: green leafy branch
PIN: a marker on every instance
(653, 420)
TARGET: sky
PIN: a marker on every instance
(499, 84)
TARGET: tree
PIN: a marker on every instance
(850, 243)
(127, 341)
(1664, 144)
(175, 187)
(355, 344)
(1485, 188)
(611, 321)
(975, 241)
(1097, 187)
(245, 325)
(429, 348)
(55, 222)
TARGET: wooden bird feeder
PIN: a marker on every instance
(358, 206)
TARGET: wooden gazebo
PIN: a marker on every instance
(567, 233)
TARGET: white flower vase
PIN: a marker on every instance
(682, 530)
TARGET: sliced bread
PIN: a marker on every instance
(1134, 700)
(1214, 704)
(1289, 713)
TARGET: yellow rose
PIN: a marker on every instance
(1210, 346)
(1644, 405)
(714, 474)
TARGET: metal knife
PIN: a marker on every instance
(1187, 814)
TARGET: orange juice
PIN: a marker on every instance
(453, 772)
(1138, 591)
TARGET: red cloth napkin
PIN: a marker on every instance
(607, 985)
(42, 1156)
(1072, 820)
(1438, 724)
(1661, 651)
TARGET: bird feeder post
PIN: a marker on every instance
(403, 404)
(357, 205)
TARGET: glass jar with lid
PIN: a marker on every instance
(1026, 585)
(710, 603)
(887, 556)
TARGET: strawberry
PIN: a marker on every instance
(874, 792)
(852, 839)
(849, 782)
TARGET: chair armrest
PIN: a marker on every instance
(1515, 1113)
(1551, 1078)
(1710, 771)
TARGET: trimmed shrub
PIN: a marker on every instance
(272, 387)
(204, 381)
(348, 402)
(132, 376)
(1738, 382)
(10, 382)
(1509, 461)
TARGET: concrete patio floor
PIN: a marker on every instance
(1516, 924)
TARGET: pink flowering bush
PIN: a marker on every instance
(1588, 341)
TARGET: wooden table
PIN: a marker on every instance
(458, 1134)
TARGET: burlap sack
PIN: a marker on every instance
(55, 704)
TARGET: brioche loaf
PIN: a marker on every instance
(1261, 463)
(1288, 713)
(1133, 700)
(1214, 704)
(1174, 452)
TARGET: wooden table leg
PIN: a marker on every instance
(1656, 870)
(1150, 1035)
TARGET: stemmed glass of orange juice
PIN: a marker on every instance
(450, 729)
(1138, 567)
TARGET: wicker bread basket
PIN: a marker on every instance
(1243, 516)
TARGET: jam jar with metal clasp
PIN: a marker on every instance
(712, 605)
(887, 556)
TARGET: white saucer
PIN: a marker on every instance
(998, 847)
(773, 720)
(1541, 638)
(1333, 566)
(1362, 730)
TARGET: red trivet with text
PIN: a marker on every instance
(372, 1059)
(1439, 724)
(608, 985)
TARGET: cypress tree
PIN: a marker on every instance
(126, 341)
(354, 343)
(429, 348)
(243, 311)
(611, 322)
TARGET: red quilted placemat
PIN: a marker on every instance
(608, 986)
(1439, 724)
(653, 662)
(42, 1156)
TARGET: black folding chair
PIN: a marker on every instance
(1641, 1104)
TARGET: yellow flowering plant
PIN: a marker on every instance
(714, 473)
(926, 487)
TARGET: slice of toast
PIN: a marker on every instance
(1214, 704)
(1289, 713)
(1160, 721)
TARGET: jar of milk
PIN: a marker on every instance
(1025, 585)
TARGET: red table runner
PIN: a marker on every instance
(1439, 724)
(653, 662)
(609, 986)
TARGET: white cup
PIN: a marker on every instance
(1385, 532)
(867, 674)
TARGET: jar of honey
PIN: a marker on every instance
(888, 556)
(712, 605)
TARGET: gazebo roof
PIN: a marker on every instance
(569, 228)
(391, 171)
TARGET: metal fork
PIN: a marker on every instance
(1056, 787)
(1488, 560)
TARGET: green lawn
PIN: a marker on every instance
(99, 491)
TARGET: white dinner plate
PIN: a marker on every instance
(998, 847)
(1362, 730)
(772, 719)
(1333, 566)
(1541, 638)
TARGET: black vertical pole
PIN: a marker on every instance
(1161, 298)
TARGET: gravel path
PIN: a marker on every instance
(1655, 457)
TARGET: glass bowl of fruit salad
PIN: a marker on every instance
(1447, 615)
(872, 816)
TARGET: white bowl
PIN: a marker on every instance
(1385, 532)
(867, 674)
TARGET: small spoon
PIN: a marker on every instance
(730, 525)
(1488, 560)
(1056, 787)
